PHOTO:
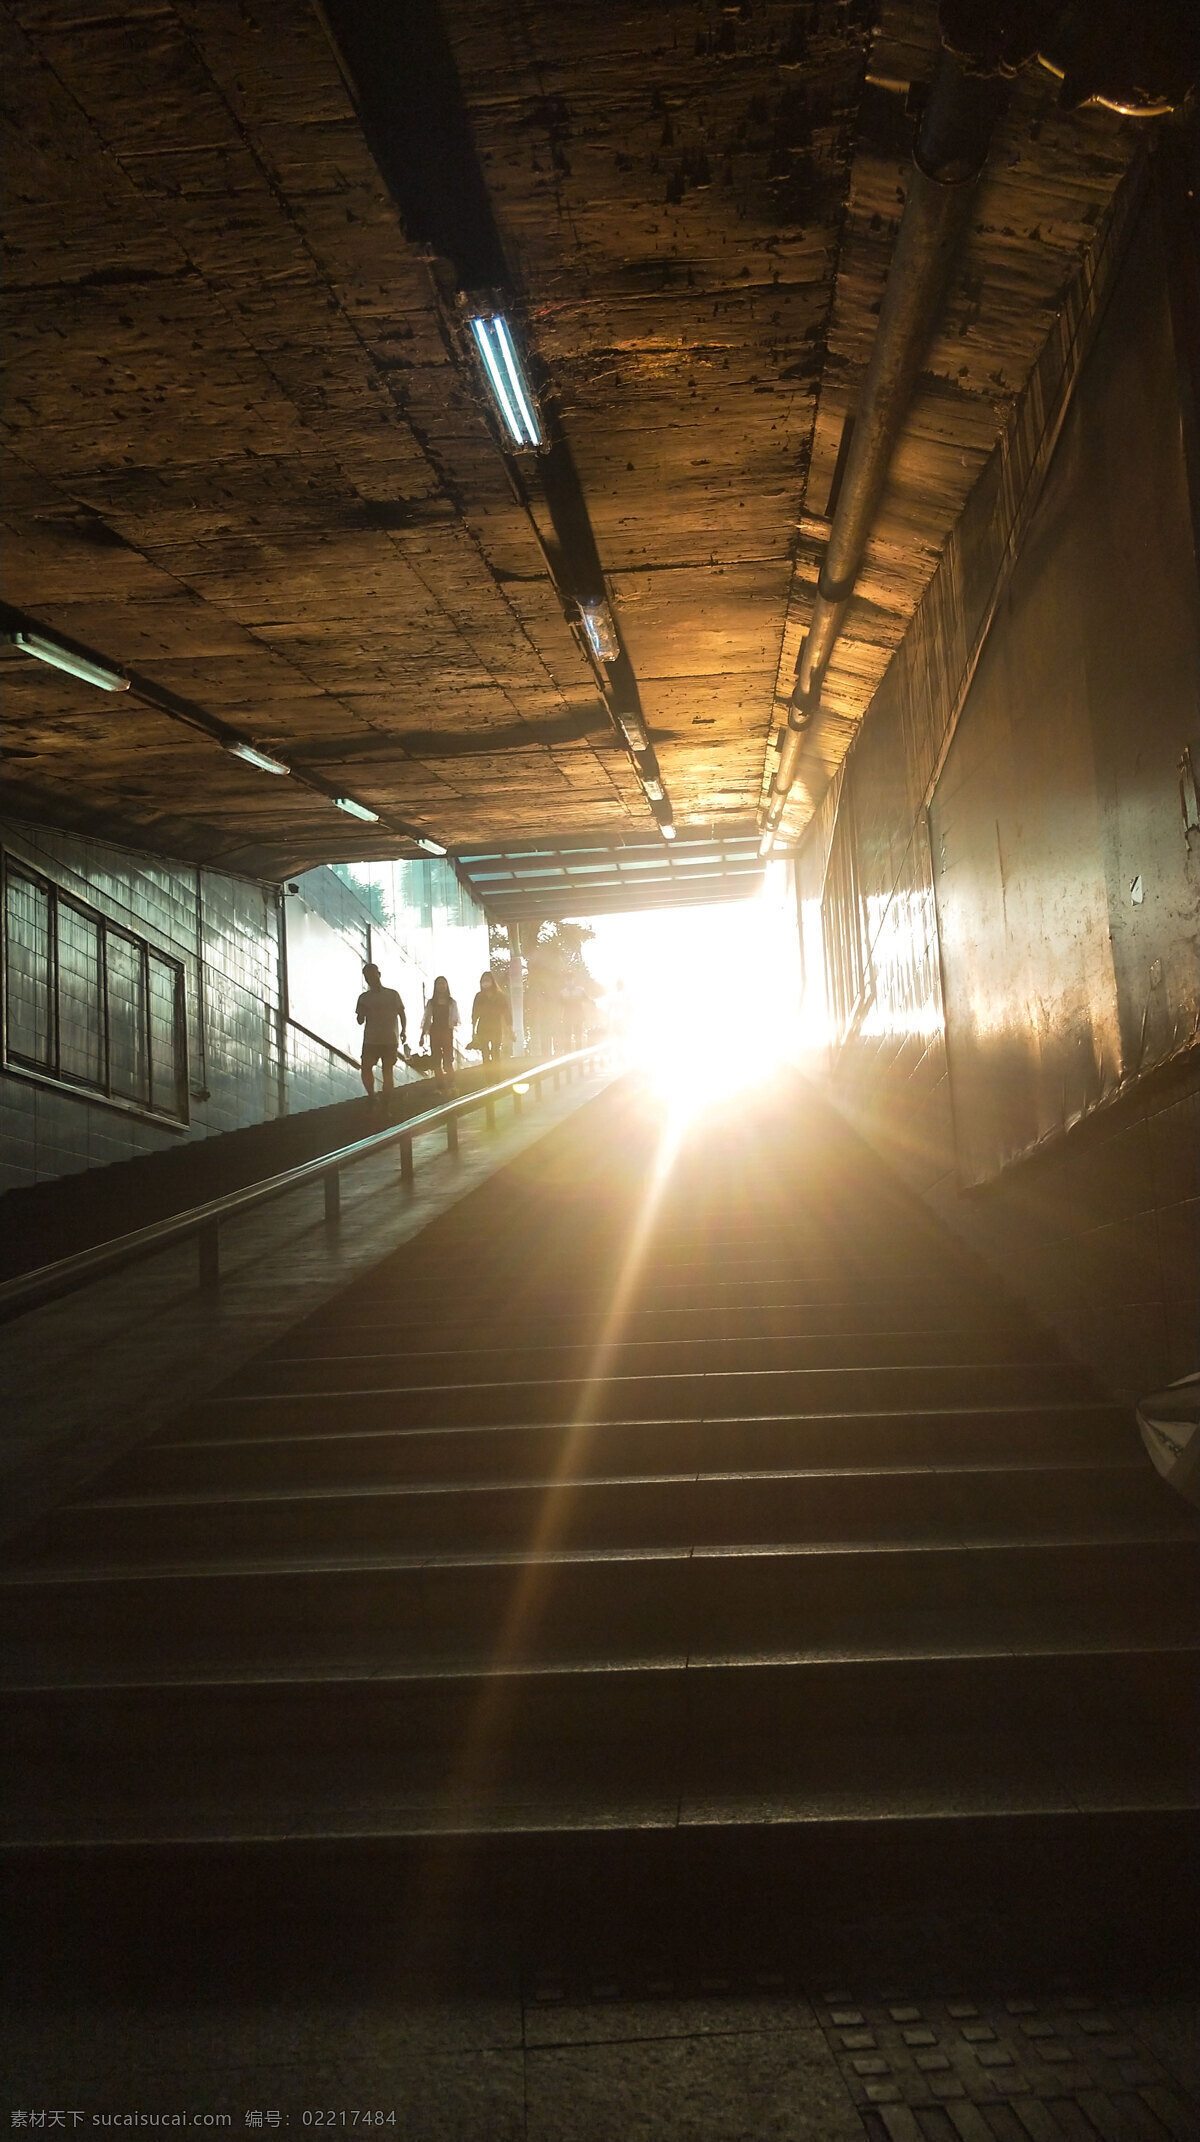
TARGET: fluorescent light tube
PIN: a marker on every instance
(601, 631)
(431, 847)
(654, 789)
(254, 757)
(76, 665)
(356, 810)
(520, 391)
(511, 391)
(766, 843)
(479, 328)
(667, 831)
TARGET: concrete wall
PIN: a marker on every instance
(1000, 896)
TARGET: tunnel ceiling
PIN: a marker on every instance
(247, 459)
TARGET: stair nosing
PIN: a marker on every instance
(397, 1490)
(624, 1421)
(367, 1565)
(577, 1670)
(663, 1376)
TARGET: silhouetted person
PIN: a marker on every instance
(489, 1018)
(441, 1018)
(380, 1013)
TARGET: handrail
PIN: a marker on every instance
(48, 1281)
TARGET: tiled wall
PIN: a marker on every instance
(1023, 1044)
(245, 1064)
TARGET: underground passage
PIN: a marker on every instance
(599, 1289)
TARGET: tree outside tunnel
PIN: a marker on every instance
(560, 995)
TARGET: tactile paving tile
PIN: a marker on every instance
(1016, 2070)
(948, 2069)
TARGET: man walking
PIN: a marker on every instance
(380, 1014)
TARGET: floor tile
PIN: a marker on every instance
(600, 2022)
(778, 2087)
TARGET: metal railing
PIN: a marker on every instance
(203, 1222)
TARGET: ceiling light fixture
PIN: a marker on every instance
(667, 831)
(254, 757)
(89, 667)
(597, 620)
(654, 789)
(505, 374)
(431, 847)
(356, 810)
(766, 843)
(633, 729)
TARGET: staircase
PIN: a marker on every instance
(683, 1528)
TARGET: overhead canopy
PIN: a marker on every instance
(252, 460)
(590, 877)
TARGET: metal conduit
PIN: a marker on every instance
(948, 159)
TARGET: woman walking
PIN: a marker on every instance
(437, 1027)
(488, 1019)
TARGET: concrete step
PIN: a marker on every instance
(1072, 1433)
(1018, 1898)
(372, 1367)
(562, 1271)
(1122, 1501)
(494, 1773)
(704, 1716)
(346, 1335)
(345, 1612)
(890, 1288)
(933, 1607)
(716, 1394)
(512, 1315)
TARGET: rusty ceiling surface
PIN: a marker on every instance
(246, 458)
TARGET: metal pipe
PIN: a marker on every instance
(949, 156)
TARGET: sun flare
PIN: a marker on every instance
(706, 997)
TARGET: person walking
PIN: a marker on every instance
(437, 1027)
(380, 1013)
(488, 1019)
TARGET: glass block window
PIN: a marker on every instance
(168, 1064)
(29, 970)
(80, 1003)
(128, 1056)
(89, 1004)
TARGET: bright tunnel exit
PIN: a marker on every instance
(708, 998)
